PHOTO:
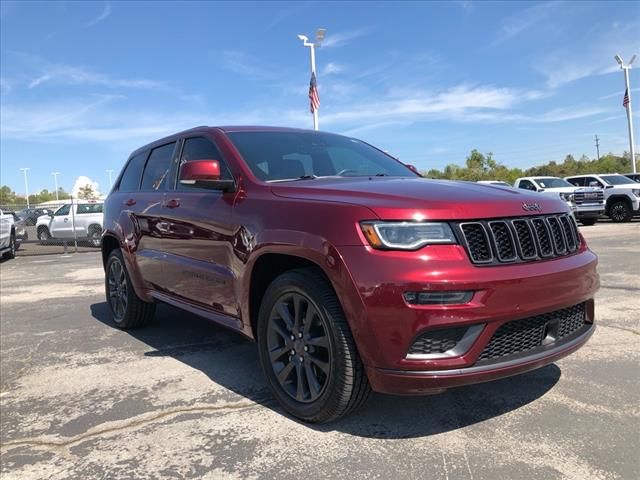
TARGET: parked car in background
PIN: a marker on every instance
(622, 195)
(7, 235)
(86, 215)
(30, 215)
(499, 183)
(351, 272)
(587, 203)
(633, 176)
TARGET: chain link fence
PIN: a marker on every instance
(67, 226)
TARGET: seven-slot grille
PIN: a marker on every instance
(525, 239)
(527, 334)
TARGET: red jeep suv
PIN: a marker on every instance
(350, 271)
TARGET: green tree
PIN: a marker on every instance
(86, 192)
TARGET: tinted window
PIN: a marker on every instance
(552, 182)
(578, 182)
(90, 208)
(274, 156)
(592, 182)
(616, 179)
(156, 173)
(63, 210)
(200, 148)
(130, 181)
(526, 184)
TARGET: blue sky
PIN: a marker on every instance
(84, 83)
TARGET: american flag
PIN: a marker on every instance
(625, 100)
(314, 99)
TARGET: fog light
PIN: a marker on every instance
(437, 298)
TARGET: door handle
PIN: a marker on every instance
(130, 202)
(173, 203)
(66, 219)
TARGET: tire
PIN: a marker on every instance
(43, 234)
(587, 222)
(620, 211)
(12, 247)
(327, 346)
(95, 236)
(128, 310)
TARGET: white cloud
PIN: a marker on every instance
(343, 38)
(332, 68)
(74, 75)
(523, 20)
(245, 64)
(106, 11)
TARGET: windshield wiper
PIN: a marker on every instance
(382, 175)
(302, 177)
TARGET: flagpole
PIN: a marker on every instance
(313, 72)
(630, 120)
(627, 93)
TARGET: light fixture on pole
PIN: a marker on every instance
(626, 102)
(26, 184)
(110, 172)
(314, 99)
(55, 180)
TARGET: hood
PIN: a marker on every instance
(417, 198)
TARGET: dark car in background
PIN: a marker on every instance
(350, 271)
(633, 176)
(30, 215)
(20, 229)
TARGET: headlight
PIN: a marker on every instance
(406, 235)
(567, 197)
(636, 192)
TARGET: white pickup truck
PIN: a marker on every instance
(85, 215)
(587, 202)
(622, 195)
(7, 235)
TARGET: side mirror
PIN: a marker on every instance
(204, 174)
(540, 190)
(413, 169)
(608, 186)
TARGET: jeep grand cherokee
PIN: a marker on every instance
(350, 271)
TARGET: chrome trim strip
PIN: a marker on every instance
(461, 347)
(498, 365)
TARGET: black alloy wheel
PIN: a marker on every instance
(118, 289)
(620, 212)
(299, 347)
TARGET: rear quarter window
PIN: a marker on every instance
(130, 181)
(89, 208)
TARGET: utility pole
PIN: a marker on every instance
(627, 92)
(597, 148)
(55, 180)
(26, 184)
(320, 33)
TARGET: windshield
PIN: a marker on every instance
(552, 182)
(281, 156)
(616, 179)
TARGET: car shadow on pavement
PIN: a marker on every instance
(231, 361)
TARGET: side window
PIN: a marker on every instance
(200, 148)
(156, 172)
(90, 208)
(130, 181)
(592, 181)
(63, 210)
(527, 185)
(578, 182)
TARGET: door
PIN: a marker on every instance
(197, 235)
(5, 226)
(60, 225)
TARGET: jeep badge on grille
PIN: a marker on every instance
(531, 207)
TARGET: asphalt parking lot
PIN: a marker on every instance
(186, 399)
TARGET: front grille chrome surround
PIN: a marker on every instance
(518, 240)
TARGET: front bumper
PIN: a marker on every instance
(589, 211)
(387, 326)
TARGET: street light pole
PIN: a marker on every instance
(312, 52)
(110, 180)
(55, 180)
(626, 68)
(26, 184)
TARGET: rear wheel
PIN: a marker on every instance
(95, 234)
(306, 349)
(620, 211)
(43, 234)
(128, 310)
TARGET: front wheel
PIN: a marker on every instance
(12, 247)
(587, 222)
(306, 349)
(620, 211)
(43, 234)
(128, 310)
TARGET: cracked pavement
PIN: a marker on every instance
(185, 398)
